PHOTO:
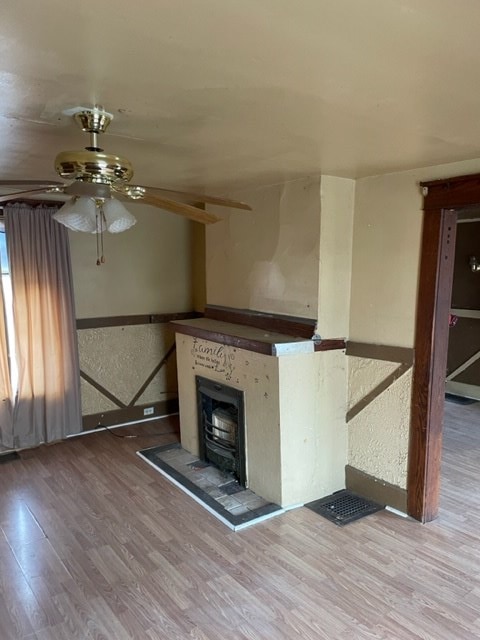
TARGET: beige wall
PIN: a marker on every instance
(314, 437)
(198, 256)
(147, 268)
(386, 248)
(267, 259)
(336, 237)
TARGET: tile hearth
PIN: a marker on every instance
(219, 492)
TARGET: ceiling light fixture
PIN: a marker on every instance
(95, 215)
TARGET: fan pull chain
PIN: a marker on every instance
(100, 218)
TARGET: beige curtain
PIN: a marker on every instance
(6, 431)
(47, 406)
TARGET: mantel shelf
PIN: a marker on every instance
(244, 337)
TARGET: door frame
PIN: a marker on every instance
(441, 198)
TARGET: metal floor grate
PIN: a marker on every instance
(343, 507)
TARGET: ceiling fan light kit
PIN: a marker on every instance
(95, 215)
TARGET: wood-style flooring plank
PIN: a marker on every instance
(96, 545)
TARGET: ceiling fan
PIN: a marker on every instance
(96, 180)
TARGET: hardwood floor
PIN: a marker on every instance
(97, 545)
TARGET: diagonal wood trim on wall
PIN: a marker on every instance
(403, 355)
(102, 390)
(113, 398)
(152, 375)
(380, 388)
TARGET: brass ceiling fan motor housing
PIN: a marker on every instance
(93, 166)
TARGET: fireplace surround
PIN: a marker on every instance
(295, 430)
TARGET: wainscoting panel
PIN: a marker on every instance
(127, 368)
(378, 415)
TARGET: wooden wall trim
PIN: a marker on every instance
(140, 391)
(288, 325)
(379, 389)
(123, 321)
(431, 346)
(380, 352)
(222, 338)
(460, 191)
(102, 390)
(375, 489)
(129, 414)
(152, 375)
(330, 344)
(250, 344)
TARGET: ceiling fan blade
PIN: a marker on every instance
(201, 197)
(198, 215)
(30, 183)
(28, 192)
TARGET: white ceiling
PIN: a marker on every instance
(221, 94)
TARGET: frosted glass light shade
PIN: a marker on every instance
(78, 214)
(82, 214)
(117, 217)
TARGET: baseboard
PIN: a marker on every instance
(463, 389)
(375, 489)
(129, 414)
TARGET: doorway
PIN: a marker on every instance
(443, 200)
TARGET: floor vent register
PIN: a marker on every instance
(343, 507)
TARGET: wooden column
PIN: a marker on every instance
(431, 348)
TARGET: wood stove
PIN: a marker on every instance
(221, 425)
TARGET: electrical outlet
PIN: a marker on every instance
(148, 411)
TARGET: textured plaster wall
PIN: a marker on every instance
(121, 359)
(364, 375)
(295, 415)
(378, 435)
(267, 260)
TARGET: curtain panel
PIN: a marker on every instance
(6, 396)
(47, 406)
